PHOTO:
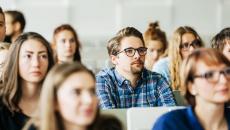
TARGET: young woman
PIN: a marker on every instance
(156, 42)
(65, 44)
(29, 59)
(221, 42)
(68, 99)
(205, 77)
(4, 47)
(184, 40)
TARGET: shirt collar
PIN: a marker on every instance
(120, 79)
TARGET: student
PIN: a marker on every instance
(29, 60)
(205, 77)
(221, 42)
(156, 42)
(129, 84)
(68, 100)
(184, 41)
(66, 44)
(15, 25)
(2, 25)
(4, 48)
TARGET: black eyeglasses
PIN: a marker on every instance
(195, 44)
(130, 52)
(214, 76)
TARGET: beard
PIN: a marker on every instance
(137, 67)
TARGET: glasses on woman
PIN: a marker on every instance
(214, 76)
(195, 44)
(130, 52)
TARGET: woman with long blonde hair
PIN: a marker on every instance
(184, 40)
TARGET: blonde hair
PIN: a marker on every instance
(206, 55)
(48, 116)
(175, 58)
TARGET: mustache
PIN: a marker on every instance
(137, 62)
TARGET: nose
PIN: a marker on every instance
(35, 61)
(191, 48)
(87, 98)
(136, 55)
(223, 79)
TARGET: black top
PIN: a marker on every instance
(11, 121)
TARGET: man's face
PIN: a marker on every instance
(130, 64)
(2, 28)
(9, 25)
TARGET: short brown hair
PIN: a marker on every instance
(113, 46)
(219, 40)
(209, 57)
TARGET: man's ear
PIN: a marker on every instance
(113, 59)
(17, 27)
(192, 88)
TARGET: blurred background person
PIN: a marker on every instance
(29, 59)
(156, 42)
(184, 41)
(4, 48)
(66, 44)
(221, 42)
(205, 77)
(15, 24)
(2, 25)
(68, 100)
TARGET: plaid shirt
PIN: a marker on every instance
(114, 91)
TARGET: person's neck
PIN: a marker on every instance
(65, 59)
(215, 119)
(15, 36)
(72, 126)
(133, 78)
(30, 91)
(30, 98)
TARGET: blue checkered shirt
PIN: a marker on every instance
(114, 91)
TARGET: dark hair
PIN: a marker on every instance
(108, 122)
(219, 40)
(155, 33)
(114, 44)
(10, 88)
(77, 56)
(206, 55)
(17, 16)
(1, 12)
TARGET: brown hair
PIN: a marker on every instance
(49, 118)
(206, 55)
(10, 88)
(77, 56)
(175, 58)
(17, 16)
(155, 33)
(219, 40)
(113, 46)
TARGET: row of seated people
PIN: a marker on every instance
(67, 101)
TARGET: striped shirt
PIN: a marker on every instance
(114, 91)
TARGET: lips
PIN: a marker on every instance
(36, 73)
(138, 62)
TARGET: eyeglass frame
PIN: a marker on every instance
(135, 49)
(195, 44)
(206, 74)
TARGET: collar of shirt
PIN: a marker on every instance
(120, 79)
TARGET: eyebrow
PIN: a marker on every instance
(31, 52)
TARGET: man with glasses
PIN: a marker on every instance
(129, 84)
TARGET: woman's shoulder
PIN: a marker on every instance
(168, 120)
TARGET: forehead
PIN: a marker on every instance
(188, 37)
(77, 80)
(155, 44)
(33, 45)
(65, 33)
(202, 67)
(131, 41)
